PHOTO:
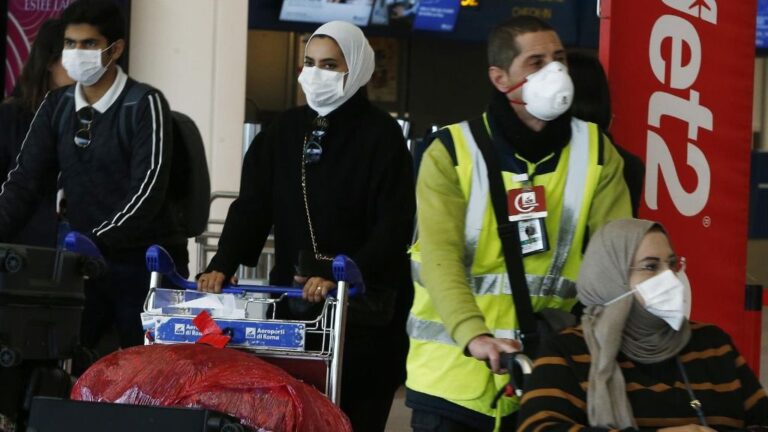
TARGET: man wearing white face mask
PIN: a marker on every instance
(563, 180)
(114, 172)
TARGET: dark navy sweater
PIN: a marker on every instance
(115, 188)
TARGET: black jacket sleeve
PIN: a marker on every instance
(393, 191)
(250, 216)
(34, 172)
(151, 150)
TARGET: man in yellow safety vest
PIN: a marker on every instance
(463, 312)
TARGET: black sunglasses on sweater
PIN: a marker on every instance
(312, 148)
(85, 120)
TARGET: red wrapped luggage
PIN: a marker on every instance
(263, 396)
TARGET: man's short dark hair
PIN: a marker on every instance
(105, 15)
(502, 41)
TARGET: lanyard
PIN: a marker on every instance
(695, 403)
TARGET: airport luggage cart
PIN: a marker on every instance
(247, 315)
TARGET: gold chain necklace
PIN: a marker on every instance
(318, 255)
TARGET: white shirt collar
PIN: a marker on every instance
(109, 97)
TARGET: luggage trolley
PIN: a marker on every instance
(247, 315)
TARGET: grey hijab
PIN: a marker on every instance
(623, 326)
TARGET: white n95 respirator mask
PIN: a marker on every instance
(668, 296)
(548, 92)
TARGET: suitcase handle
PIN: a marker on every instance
(344, 269)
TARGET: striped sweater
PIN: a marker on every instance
(730, 395)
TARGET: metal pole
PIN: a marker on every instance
(340, 324)
(155, 280)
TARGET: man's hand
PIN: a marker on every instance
(213, 281)
(487, 348)
(315, 288)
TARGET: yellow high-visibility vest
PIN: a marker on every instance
(436, 365)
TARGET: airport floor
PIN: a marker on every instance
(400, 415)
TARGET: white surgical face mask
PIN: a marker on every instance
(666, 295)
(548, 92)
(323, 88)
(84, 66)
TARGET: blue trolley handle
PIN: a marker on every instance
(92, 264)
(160, 261)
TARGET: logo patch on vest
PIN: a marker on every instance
(526, 203)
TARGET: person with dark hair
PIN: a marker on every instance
(636, 362)
(41, 73)
(114, 174)
(563, 180)
(592, 103)
(333, 177)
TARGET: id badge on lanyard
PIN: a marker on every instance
(528, 207)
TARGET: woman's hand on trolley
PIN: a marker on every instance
(213, 281)
(315, 288)
(487, 348)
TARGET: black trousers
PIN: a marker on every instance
(374, 368)
(117, 299)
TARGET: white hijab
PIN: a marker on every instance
(358, 55)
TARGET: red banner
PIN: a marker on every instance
(24, 19)
(681, 74)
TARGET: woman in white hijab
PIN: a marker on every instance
(637, 362)
(334, 177)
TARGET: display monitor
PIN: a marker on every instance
(394, 12)
(436, 15)
(761, 33)
(357, 12)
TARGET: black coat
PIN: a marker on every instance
(41, 228)
(361, 199)
(362, 203)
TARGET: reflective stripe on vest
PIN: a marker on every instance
(576, 179)
(496, 284)
(491, 284)
(478, 197)
(433, 331)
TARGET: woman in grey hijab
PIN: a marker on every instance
(636, 361)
